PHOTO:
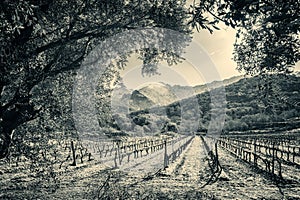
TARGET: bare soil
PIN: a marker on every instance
(185, 178)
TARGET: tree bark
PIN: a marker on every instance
(5, 141)
(12, 117)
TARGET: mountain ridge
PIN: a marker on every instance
(162, 94)
(253, 104)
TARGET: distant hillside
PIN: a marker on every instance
(252, 104)
(215, 84)
(161, 94)
(156, 94)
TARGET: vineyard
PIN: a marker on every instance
(276, 155)
(164, 167)
(208, 162)
(130, 153)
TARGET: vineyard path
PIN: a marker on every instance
(191, 171)
(183, 174)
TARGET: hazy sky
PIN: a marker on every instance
(217, 53)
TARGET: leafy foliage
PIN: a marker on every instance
(267, 31)
(43, 39)
(268, 41)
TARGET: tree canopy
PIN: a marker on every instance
(43, 43)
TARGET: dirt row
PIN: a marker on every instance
(185, 178)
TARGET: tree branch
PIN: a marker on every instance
(214, 15)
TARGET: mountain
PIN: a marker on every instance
(161, 94)
(139, 101)
(256, 103)
(155, 94)
(253, 104)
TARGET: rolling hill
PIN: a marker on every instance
(253, 103)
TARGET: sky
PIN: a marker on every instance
(216, 53)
